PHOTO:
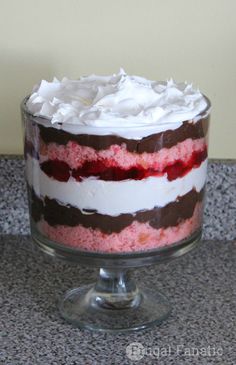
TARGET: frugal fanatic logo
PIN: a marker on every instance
(136, 351)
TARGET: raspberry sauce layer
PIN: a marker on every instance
(170, 215)
(135, 237)
(150, 144)
(61, 171)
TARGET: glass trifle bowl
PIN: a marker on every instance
(116, 169)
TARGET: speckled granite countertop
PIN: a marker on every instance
(201, 287)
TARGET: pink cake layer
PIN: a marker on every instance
(136, 237)
(75, 155)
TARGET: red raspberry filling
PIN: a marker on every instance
(61, 171)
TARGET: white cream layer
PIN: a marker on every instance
(120, 104)
(114, 197)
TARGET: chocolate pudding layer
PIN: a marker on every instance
(149, 144)
(169, 216)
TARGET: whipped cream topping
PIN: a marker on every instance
(129, 106)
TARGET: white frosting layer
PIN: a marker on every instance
(129, 106)
(114, 197)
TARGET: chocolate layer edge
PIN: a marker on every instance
(171, 215)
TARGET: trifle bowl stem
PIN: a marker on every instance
(114, 304)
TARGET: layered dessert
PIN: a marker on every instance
(116, 163)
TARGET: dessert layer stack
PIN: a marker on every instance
(116, 163)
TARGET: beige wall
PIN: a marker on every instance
(192, 40)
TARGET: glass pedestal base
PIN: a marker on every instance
(114, 304)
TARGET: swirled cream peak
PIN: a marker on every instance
(115, 103)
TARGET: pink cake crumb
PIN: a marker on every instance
(136, 237)
(75, 155)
